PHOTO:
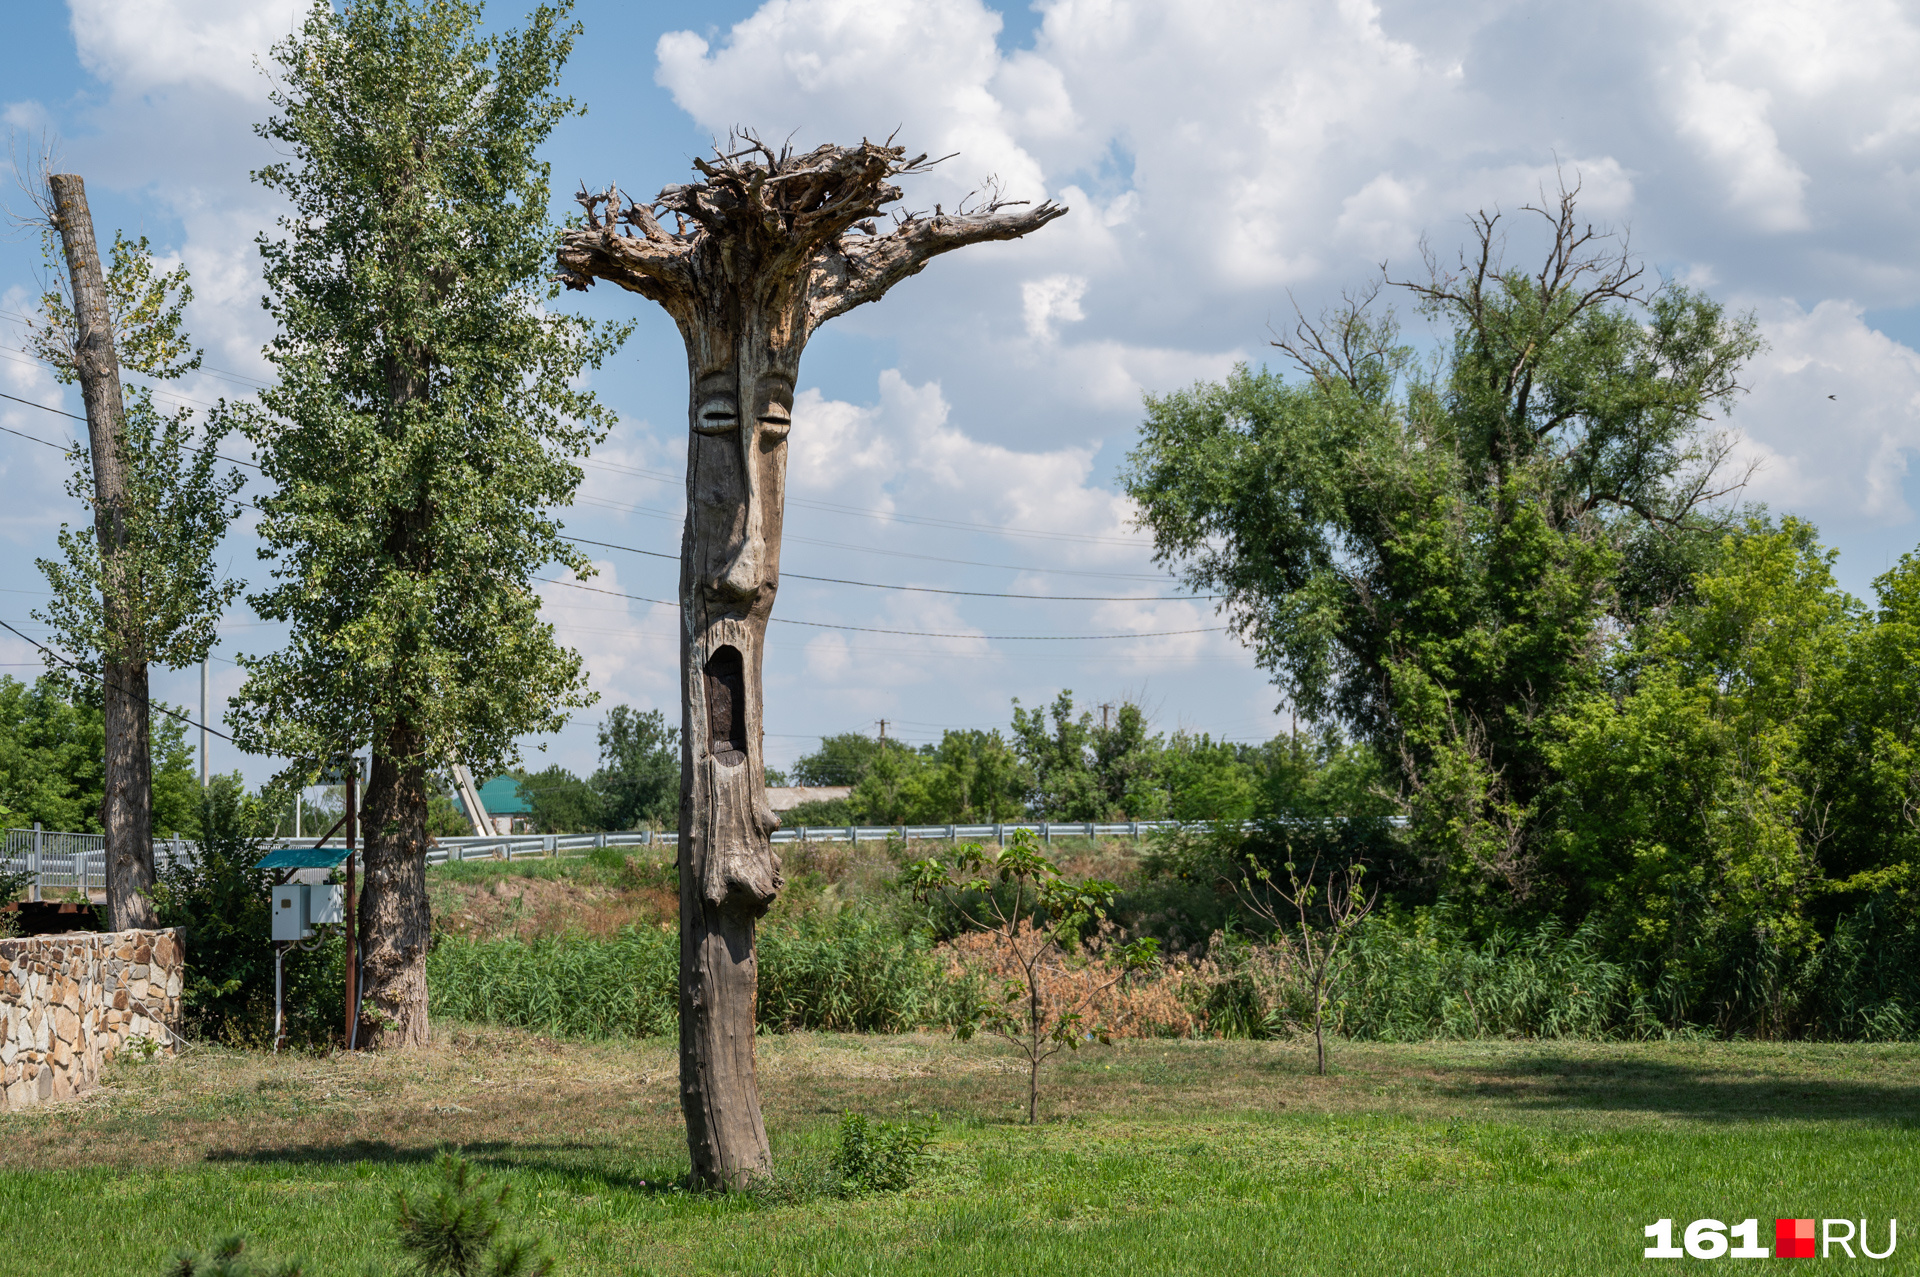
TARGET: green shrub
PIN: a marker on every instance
(879, 1157)
(224, 906)
(457, 1231)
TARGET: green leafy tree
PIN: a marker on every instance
(1057, 760)
(1204, 779)
(1321, 912)
(1081, 770)
(562, 802)
(423, 426)
(1694, 813)
(140, 585)
(51, 752)
(225, 906)
(973, 777)
(841, 760)
(1428, 553)
(639, 777)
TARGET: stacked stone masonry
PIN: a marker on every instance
(70, 1003)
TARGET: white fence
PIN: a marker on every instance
(60, 861)
(77, 862)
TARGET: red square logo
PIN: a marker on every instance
(1793, 1239)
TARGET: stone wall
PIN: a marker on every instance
(69, 1003)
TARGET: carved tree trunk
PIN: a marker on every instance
(764, 254)
(127, 805)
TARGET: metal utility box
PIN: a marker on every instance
(290, 912)
(326, 902)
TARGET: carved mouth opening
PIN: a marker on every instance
(726, 679)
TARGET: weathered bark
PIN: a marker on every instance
(766, 252)
(395, 916)
(395, 923)
(127, 807)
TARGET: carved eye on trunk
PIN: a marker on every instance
(726, 679)
(717, 415)
(775, 420)
(773, 406)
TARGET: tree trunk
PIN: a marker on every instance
(765, 252)
(742, 381)
(127, 808)
(395, 922)
(128, 801)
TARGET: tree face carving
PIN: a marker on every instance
(766, 249)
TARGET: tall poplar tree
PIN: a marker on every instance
(422, 429)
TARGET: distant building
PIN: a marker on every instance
(506, 804)
(787, 797)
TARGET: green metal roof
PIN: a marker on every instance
(501, 796)
(304, 857)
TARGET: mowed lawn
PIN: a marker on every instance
(1151, 1157)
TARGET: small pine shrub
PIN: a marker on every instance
(879, 1157)
(458, 1230)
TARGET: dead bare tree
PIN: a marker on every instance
(766, 249)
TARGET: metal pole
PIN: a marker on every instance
(297, 795)
(205, 770)
(279, 997)
(36, 860)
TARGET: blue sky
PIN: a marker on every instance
(1223, 160)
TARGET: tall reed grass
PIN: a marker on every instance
(1405, 977)
(840, 973)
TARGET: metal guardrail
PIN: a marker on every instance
(77, 862)
(55, 859)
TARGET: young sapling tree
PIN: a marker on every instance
(1346, 904)
(1036, 916)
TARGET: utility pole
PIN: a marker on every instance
(883, 731)
(205, 771)
(1103, 714)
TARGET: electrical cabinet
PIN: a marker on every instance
(290, 912)
(298, 908)
(326, 902)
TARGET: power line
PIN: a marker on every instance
(890, 516)
(928, 558)
(928, 589)
(146, 701)
(61, 412)
(867, 629)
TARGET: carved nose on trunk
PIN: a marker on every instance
(742, 578)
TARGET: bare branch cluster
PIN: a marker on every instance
(808, 221)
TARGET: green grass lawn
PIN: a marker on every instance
(1152, 1157)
